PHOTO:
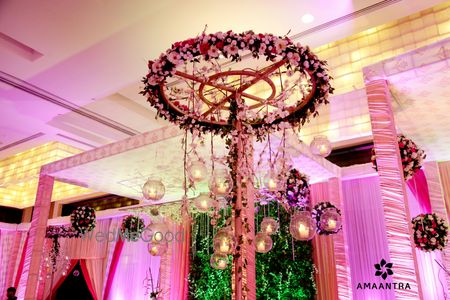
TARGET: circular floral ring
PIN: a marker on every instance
(318, 210)
(132, 224)
(285, 56)
(297, 189)
(430, 232)
(411, 155)
(83, 219)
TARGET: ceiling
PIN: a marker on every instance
(69, 71)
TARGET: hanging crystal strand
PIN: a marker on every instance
(207, 229)
(194, 238)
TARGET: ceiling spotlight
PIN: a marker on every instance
(307, 18)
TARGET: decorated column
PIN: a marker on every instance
(393, 190)
(244, 275)
(30, 276)
(438, 206)
(343, 275)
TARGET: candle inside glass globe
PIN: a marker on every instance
(203, 202)
(224, 241)
(271, 181)
(263, 242)
(330, 221)
(155, 232)
(219, 261)
(269, 225)
(197, 171)
(321, 146)
(153, 190)
(221, 183)
(302, 226)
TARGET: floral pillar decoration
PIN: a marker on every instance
(187, 86)
(438, 205)
(37, 233)
(393, 189)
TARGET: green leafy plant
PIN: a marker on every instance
(279, 274)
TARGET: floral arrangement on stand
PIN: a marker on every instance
(83, 219)
(430, 232)
(327, 218)
(411, 155)
(133, 225)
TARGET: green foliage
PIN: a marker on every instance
(278, 275)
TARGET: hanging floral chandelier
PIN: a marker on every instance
(202, 85)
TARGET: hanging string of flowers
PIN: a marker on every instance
(430, 232)
(411, 155)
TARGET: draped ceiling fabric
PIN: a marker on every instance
(393, 190)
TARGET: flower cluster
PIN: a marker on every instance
(83, 219)
(317, 213)
(430, 232)
(411, 155)
(132, 224)
(208, 47)
(61, 231)
(297, 189)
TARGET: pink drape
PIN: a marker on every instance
(113, 267)
(12, 243)
(88, 279)
(180, 264)
(366, 231)
(419, 188)
(132, 268)
(326, 279)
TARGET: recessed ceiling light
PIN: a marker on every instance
(307, 18)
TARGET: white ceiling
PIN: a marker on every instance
(91, 54)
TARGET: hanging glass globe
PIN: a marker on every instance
(271, 181)
(320, 145)
(221, 183)
(155, 232)
(269, 225)
(224, 241)
(302, 226)
(263, 242)
(330, 221)
(153, 190)
(197, 171)
(157, 249)
(203, 202)
(219, 261)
